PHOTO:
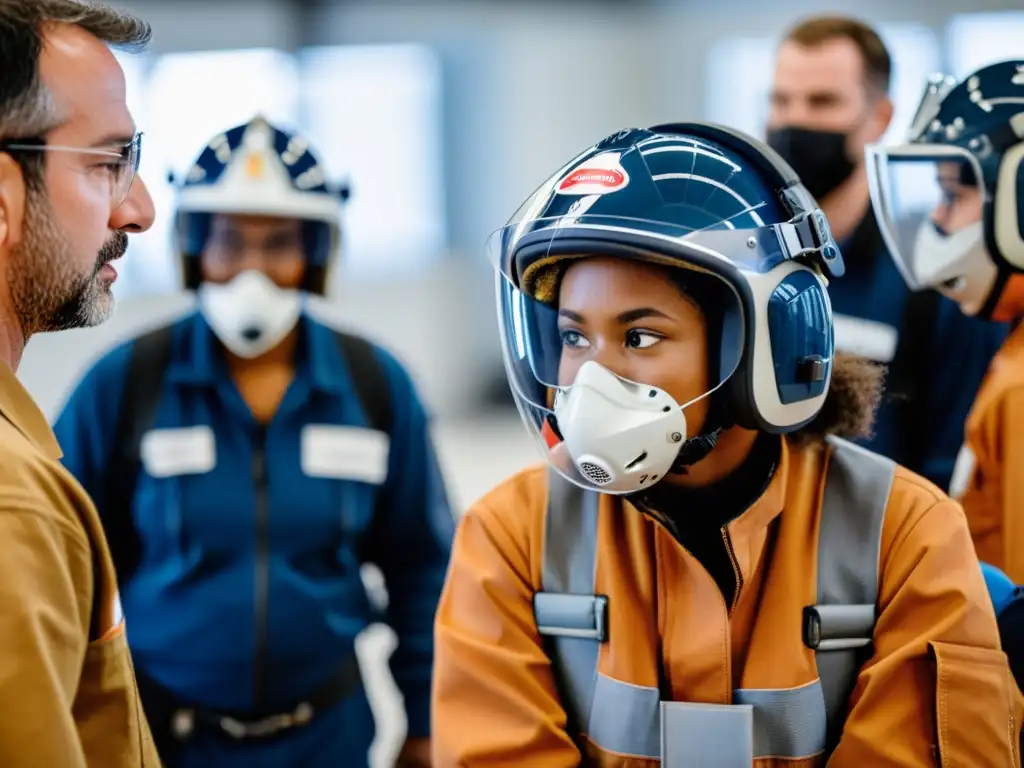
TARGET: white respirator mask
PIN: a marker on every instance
(957, 265)
(621, 436)
(250, 314)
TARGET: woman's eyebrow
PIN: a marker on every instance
(632, 315)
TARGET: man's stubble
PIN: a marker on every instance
(48, 289)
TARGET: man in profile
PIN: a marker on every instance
(829, 99)
(68, 200)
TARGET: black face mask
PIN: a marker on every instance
(818, 157)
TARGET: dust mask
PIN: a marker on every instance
(621, 436)
(250, 314)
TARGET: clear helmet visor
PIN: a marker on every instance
(929, 203)
(612, 352)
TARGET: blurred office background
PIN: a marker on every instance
(445, 115)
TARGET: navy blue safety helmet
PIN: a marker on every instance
(950, 200)
(748, 239)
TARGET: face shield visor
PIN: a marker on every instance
(613, 370)
(929, 202)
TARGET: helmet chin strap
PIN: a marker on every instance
(693, 450)
(697, 448)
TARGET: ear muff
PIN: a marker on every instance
(788, 356)
(193, 229)
(1007, 213)
(801, 338)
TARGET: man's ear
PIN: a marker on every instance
(12, 202)
(882, 116)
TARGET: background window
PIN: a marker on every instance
(187, 99)
(373, 114)
(977, 39)
(740, 77)
(915, 55)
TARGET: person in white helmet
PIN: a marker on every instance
(246, 461)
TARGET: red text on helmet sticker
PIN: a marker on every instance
(593, 176)
(598, 176)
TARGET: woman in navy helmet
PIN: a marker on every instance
(247, 460)
(705, 572)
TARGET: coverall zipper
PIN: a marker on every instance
(262, 575)
(735, 569)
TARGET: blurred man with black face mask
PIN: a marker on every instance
(829, 99)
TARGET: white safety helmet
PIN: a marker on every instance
(260, 169)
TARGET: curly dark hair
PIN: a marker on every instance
(850, 405)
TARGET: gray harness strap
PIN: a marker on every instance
(839, 627)
(568, 611)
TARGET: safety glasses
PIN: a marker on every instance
(122, 163)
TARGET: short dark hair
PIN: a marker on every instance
(26, 107)
(820, 29)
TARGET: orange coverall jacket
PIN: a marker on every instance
(936, 691)
(992, 462)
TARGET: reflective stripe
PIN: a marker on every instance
(856, 495)
(787, 723)
(571, 615)
(625, 718)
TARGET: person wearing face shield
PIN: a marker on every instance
(705, 572)
(950, 204)
(247, 461)
(829, 99)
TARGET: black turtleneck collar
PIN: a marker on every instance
(696, 517)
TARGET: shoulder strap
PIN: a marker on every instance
(567, 612)
(369, 379)
(150, 357)
(841, 626)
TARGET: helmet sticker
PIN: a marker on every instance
(599, 175)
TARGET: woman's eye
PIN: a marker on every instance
(641, 339)
(573, 339)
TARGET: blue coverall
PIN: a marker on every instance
(248, 592)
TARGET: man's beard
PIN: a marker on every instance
(48, 290)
